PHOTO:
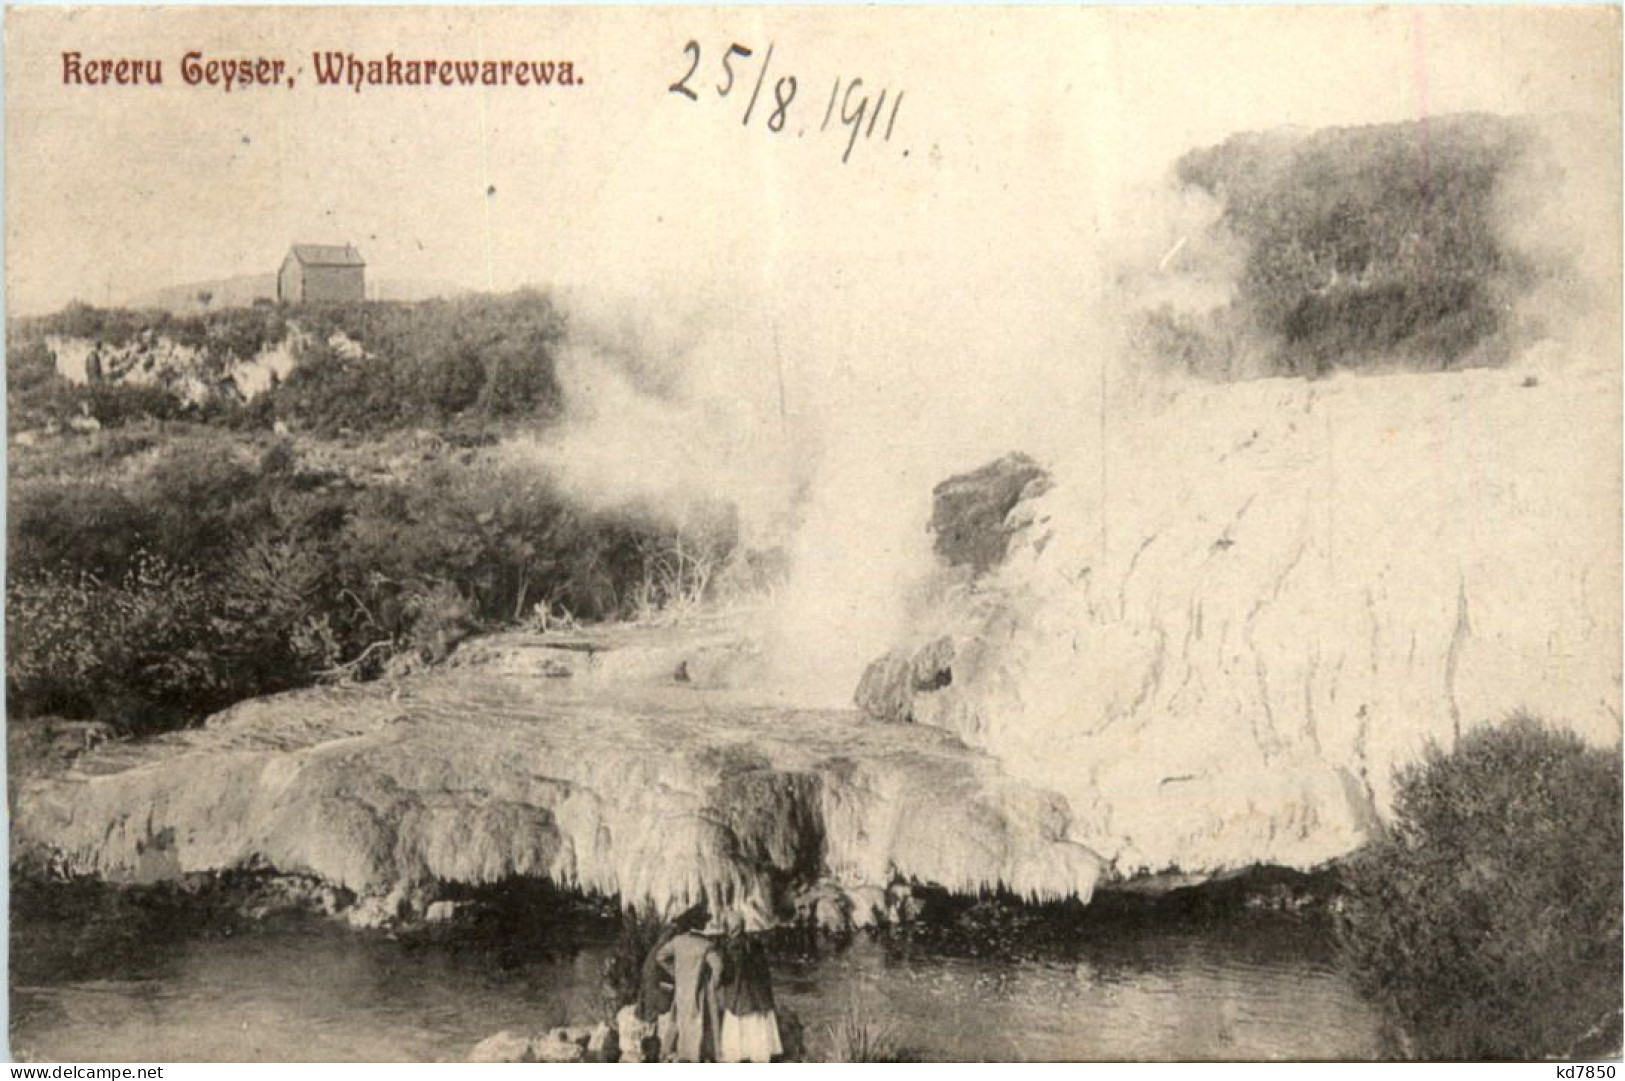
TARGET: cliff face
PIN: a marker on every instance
(592, 763)
(1220, 639)
(194, 374)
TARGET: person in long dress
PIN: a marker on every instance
(694, 963)
(657, 986)
(750, 1023)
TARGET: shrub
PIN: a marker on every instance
(267, 563)
(511, 543)
(87, 527)
(469, 361)
(433, 363)
(227, 334)
(1487, 920)
(197, 580)
(201, 508)
(681, 567)
(859, 1035)
(329, 394)
(113, 326)
(162, 645)
(437, 619)
(1363, 246)
(32, 384)
(124, 652)
(262, 571)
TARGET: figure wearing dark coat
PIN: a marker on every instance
(747, 981)
(656, 986)
(749, 1031)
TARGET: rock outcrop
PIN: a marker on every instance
(579, 1043)
(1220, 641)
(635, 785)
(970, 514)
(197, 374)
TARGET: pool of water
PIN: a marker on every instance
(151, 986)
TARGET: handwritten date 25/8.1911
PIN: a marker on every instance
(859, 114)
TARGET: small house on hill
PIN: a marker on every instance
(321, 274)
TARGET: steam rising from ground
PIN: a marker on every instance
(825, 399)
(652, 423)
(1561, 211)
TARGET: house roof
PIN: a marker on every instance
(327, 255)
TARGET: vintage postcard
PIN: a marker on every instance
(813, 534)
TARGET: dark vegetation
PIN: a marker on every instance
(1487, 921)
(1368, 246)
(216, 567)
(968, 510)
(861, 1034)
(465, 363)
(641, 930)
(184, 556)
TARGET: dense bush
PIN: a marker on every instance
(209, 566)
(1370, 245)
(331, 394)
(84, 527)
(31, 383)
(227, 334)
(158, 645)
(503, 538)
(151, 601)
(426, 364)
(361, 368)
(185, 528)
(1487, 920)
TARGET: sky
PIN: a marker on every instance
(1024, 129)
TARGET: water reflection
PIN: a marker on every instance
(1246, 990)
(143, 986)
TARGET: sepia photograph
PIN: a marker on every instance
(813, 534)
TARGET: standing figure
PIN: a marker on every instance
(657, 987)
(750, 1023)
(694, 964)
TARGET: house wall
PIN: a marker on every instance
(288, 284)
(333, 284)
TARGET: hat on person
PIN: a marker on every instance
(689, 918)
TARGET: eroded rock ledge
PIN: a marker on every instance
(604, 763)
(1218, 637)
